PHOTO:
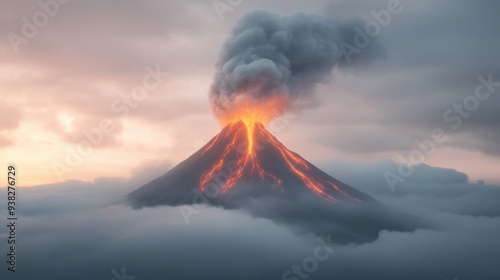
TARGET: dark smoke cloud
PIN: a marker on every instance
(268, 55)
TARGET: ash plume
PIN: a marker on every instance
(270, 56)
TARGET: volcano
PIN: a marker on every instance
(244, 160)
(245, 167)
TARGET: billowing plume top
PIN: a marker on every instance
(272, 60)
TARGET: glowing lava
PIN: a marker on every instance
(253, 111)
(245, 144)
(249, 140)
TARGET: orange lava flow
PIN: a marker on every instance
(242, 151)
(247, 164)
(246, 159)
(296, 163)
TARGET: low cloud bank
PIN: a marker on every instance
(73, 230)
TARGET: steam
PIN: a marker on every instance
(269, 56)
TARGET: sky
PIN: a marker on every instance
(422, 87)
(65, 81)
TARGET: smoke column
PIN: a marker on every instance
(273, 61)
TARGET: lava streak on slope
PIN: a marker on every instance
(244, 143)
(247, 140)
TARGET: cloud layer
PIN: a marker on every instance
(71, 230)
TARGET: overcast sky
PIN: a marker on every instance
(69, 125)
(64, 76)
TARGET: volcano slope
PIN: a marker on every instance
(245, 167)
